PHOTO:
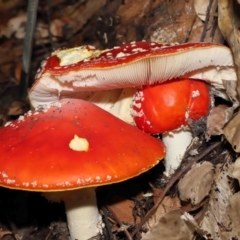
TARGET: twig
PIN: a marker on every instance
(129, 237)
(27, 47)
(206, 21)
(107, 224)
(174, 179)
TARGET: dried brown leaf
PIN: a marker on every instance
(216, 120)
(234, 209)
(122, 208)
(196, 189)
(168, 204)
(4, 233)
(170, 226)
(217, 220)
(236, 169)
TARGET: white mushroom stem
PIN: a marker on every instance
(176, 143)
(83, 217)
(117, 101)
(122, 107)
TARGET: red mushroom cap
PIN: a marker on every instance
(164, 107)
(118, 56)
(66, 72)
(40, 151)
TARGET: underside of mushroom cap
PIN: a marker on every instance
(130, 65)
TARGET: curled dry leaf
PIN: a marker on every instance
(234, 209)
(170, 226)
(232, 132)
(196, 189)
(217, 220)
(4, 233)
(192, 223)
(122, 208)
(236, 169)
(168, 204)
(217, 118)
(231, 92)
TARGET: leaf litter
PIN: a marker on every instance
(201, 200)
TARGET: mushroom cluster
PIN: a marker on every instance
(74, 144)
(110, 78)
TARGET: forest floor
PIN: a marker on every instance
(104, 24)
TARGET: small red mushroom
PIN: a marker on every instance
(168, 108)
(74, 145)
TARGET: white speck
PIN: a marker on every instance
(25, 184)
(45, 185)
(195, 94)
(147, 195)
(34, 184)
(88, 179)
(67, 184)
(79, 181)
(10, 181)
(21, 118)
(120, 55)
(109, 177)
(56, 104)
(148, 122)
(8, 123)
(139, 50)
(4, 175)
(29, 113)
(98, 178)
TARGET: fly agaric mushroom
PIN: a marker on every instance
(74, 145)
(168, 108)
(80, 72)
